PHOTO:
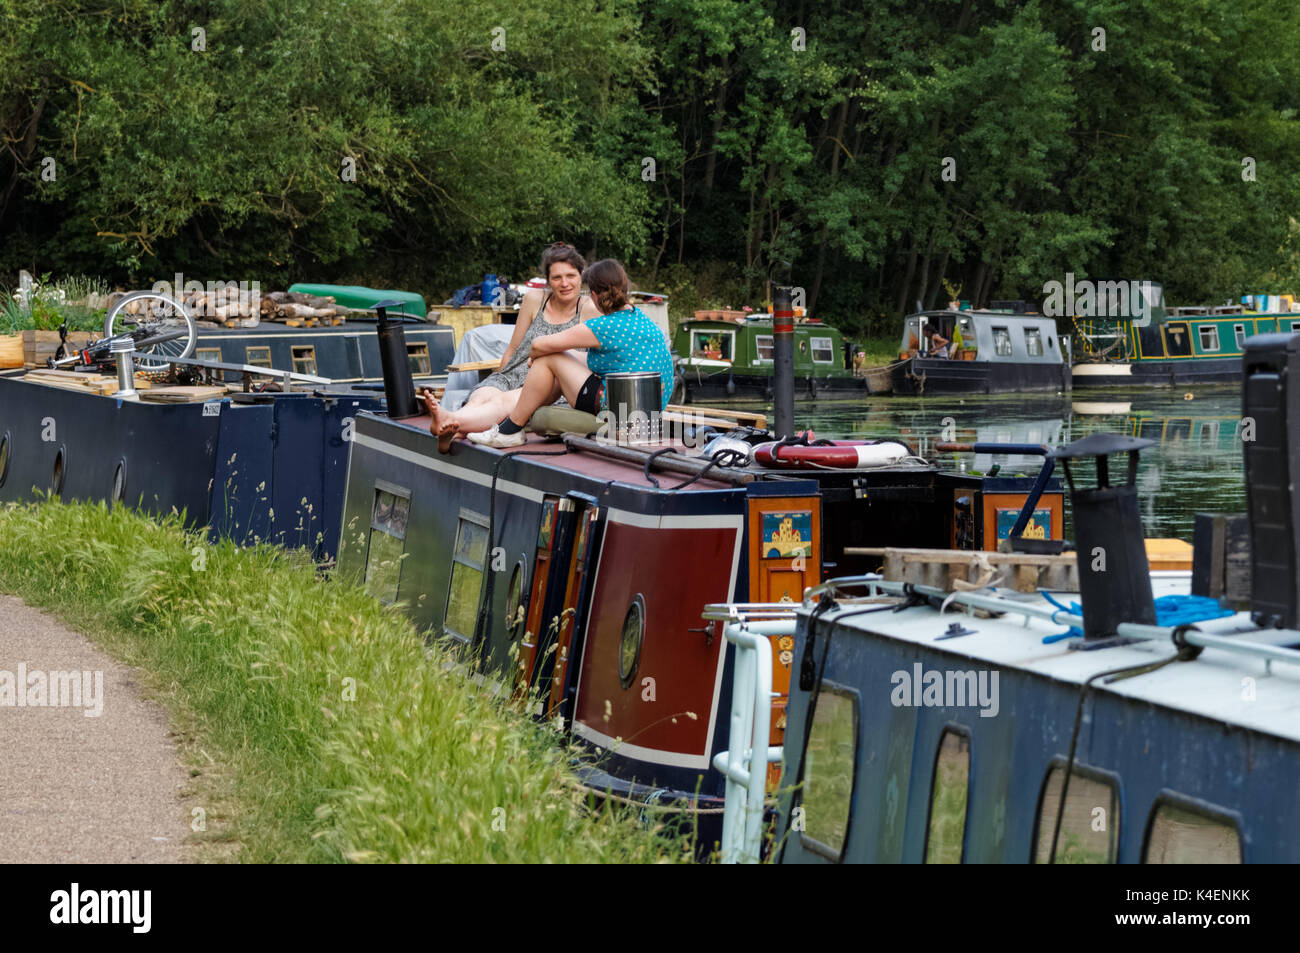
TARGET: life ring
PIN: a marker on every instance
(837, 454)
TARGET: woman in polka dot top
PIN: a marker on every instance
(622, 339)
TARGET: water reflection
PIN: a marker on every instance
(1196, 465)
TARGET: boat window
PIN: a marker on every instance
(418, 356)
(1182, 835)
(304, 358)
(946, 827)
(830, 770)
(257, 356)
(763, 347)
(629, 645)
(823, 351)
(1033, 342)
(1002, 342)
(713, 345)
(1209, 338)
(1088, 825)
(1295, 326)
(1239, 332)
(466, 575)
(208, 354)
(388, 518)
(1178, 339)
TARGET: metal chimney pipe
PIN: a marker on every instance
(399, 388)
(783, 361)
(122, 349)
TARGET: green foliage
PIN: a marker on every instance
(77, 301)
(804, 142)
(321, 724)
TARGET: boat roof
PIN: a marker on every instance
(983, 313)
(594, 465)
(603, 467)
(1210, 686)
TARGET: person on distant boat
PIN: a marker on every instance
(938, 345)
(561, 307)
(622, 339)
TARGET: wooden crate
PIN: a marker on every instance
(942, 568)
(11, 350)
(38, 346)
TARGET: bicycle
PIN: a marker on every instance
(158, 331)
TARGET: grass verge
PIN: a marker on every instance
(318, 724)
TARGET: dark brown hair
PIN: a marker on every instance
(607, 282)
(562, 252)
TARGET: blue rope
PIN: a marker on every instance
(1171, 611)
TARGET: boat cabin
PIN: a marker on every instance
(982, 336)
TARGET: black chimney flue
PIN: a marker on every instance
(1270, 407)
(1114, 575)
(399, 388)
(783, 361)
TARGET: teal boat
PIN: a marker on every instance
(1177, 347)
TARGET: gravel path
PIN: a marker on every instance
(95, 790)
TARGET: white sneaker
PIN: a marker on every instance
(493, 437)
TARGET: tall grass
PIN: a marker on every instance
(319, 725)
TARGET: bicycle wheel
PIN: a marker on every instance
(152, 312)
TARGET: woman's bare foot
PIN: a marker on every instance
(444, 425)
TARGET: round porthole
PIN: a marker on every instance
(515, 609)
(629, 645)
(59, 472)
(119, 484)
(4, 458)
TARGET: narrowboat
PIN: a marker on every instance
(251, 467)
(346, 351)
(1188, 346)
(729, 354)
(345, 354)
(578, 566)
(989, 352)
(1135, 722)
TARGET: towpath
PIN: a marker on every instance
(75, 789)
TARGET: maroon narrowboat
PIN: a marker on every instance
(579, 569)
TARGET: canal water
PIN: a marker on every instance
(1194, 467)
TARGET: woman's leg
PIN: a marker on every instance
(485, 407)
(547, 379)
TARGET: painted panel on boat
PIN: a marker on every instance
(682, 664)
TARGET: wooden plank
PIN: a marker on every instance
(475, 365)
(748, 418)
(183, 394)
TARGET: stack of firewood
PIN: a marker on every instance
(304, 310)
(230, 308)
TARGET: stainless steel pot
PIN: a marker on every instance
(635, 400)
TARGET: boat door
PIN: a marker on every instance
(563, 546)
(576, 595)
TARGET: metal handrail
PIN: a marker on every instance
(751, 713)
(748, 611)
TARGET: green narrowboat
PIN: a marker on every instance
(730, 354)
(1184, 346)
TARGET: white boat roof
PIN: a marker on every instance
(1212, 686)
